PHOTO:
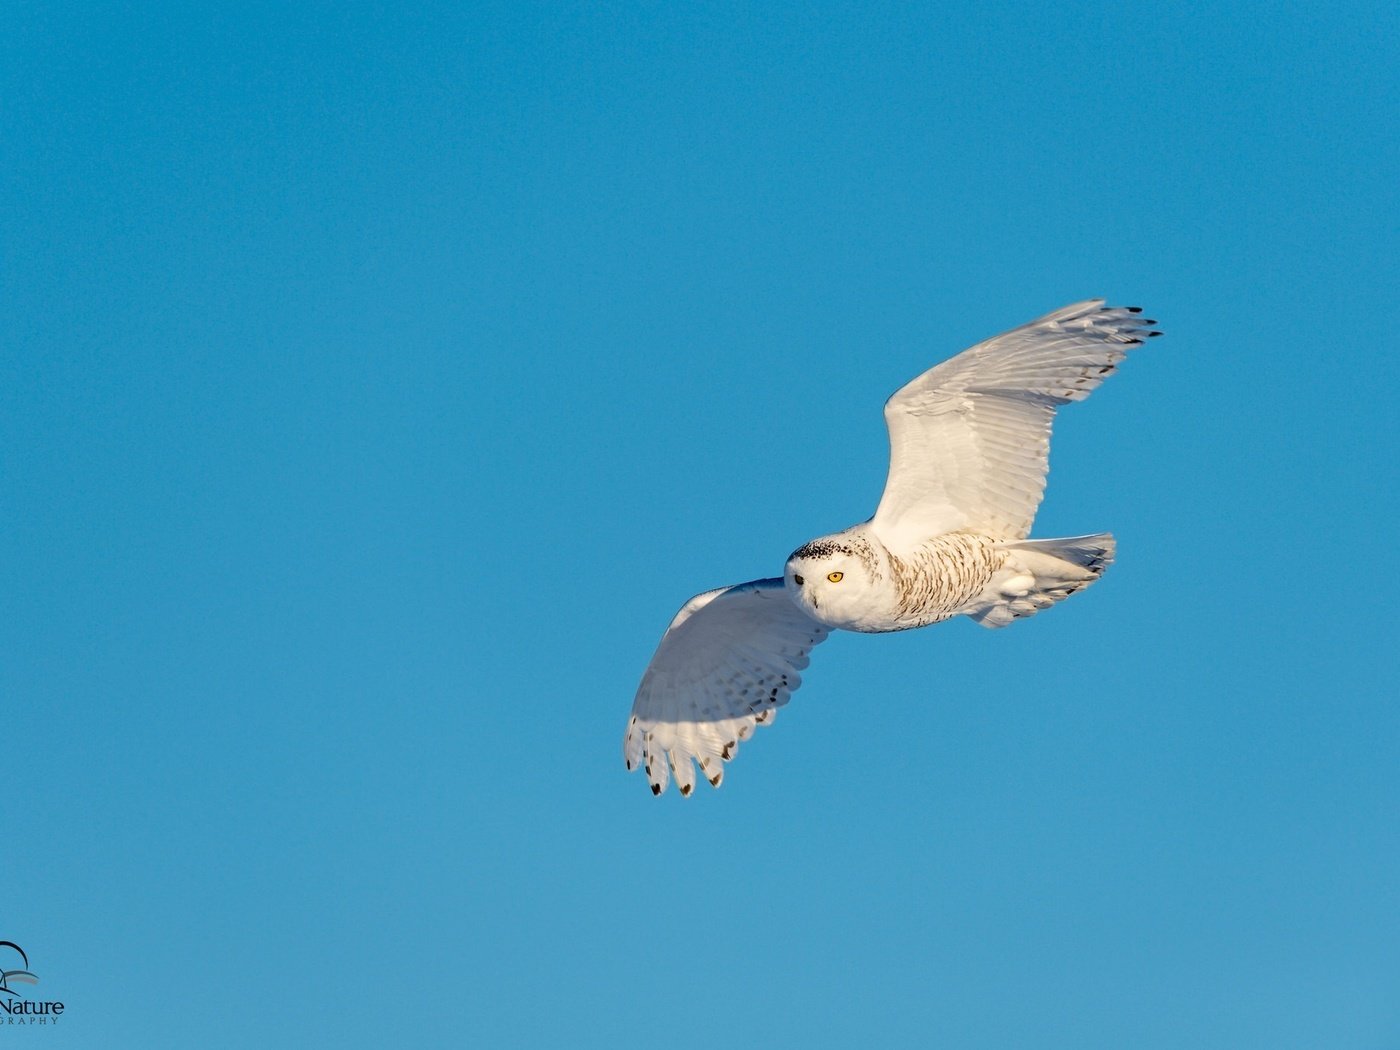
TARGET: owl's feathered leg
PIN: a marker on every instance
(1037, 574)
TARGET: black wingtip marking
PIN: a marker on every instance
(1153, 335)
(656, 789)
(1135, 309)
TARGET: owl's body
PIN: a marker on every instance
(969, 441)
(957, 573)
(884, 590)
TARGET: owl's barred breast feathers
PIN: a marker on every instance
(938, 577)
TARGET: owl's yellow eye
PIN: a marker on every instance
(835, 577)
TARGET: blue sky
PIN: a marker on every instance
(375, 383)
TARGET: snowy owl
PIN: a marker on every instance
(969, 441)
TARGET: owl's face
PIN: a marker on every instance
(830, 582)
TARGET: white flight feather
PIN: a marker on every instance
(729, 659)
(970, 438)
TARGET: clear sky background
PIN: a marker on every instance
(378, 380)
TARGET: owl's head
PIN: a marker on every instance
(831, 580)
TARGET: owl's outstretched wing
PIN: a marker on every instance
(728, 661)
(970, 438)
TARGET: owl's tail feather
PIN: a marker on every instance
(1039, 573)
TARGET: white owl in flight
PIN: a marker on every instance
(969, 441)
